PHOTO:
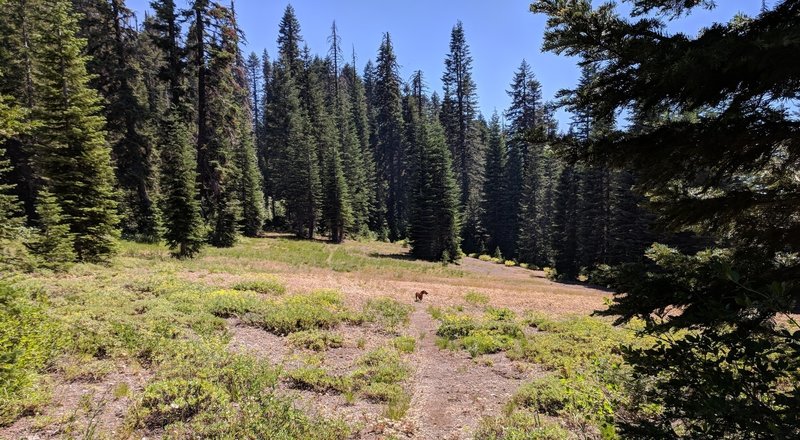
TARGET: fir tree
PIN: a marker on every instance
(53, 244)
(71, 127)
(495, 201)
(18, 29)
(562, 238)
(114, 65)
(295, 157)
(185, 231)
(433, 219)
(459, 111)
(719, 164)
(388, 138)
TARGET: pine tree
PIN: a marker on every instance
(294, 153)
(459, 111)
(165, 31)
(433, 219)
(249, 183)
(719, 163)
(388, 138)
(71, 127)
(563, 238)
(185, 231)
(114, 65)
(11, 123)
(495, 208)
(289, 40)
(526, 133)
(378, 216)
(53, 244)
(18, 28)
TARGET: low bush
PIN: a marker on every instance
(321, 309)
(178, 400)
(387, 312)
(228, 303)
(520, 426)
(404, 344)
(485, 257)
(263, 284)
(551, 273)
(317, 340)
(476, 298)
(29, 341)
(510, 263)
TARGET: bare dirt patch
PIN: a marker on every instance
(452, 392)
(83, 409)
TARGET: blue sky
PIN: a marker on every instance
(500, 34)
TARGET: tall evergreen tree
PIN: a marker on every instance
(71, 127)
(563, 229)
(185, 230)
(723, 162)
(495, 207)
(295, 157)
(433, 219)
(459, 111)
(19, 26)
(113, 62)
(388, 138)
(11, 123)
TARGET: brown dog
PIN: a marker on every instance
(419, 295)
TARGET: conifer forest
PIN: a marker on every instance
(200, 242)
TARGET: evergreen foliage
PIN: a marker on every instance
(433, 220)
(53, 244)
(719, 163)
(71, 127)
(185, 232)
(458, 115)
(388, 139)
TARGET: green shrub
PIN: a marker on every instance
(380, 365)
(263, 284)
(551, 273)
(520, 426)
(317, 340)
(510, 263)
(168, 401)
(317, 310)
(476, 298)
(485, 257)
(486, 342)
(388, 312)
(404, 344)
(497, 260)
(456, 326)
(382, 392)
(29, 340)
(524, 265)
(227, 303)
(317, 379)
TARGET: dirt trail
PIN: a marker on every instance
(452, 392)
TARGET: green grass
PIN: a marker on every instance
(520, 426)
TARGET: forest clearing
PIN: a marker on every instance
(121, 339)
(516, 220)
